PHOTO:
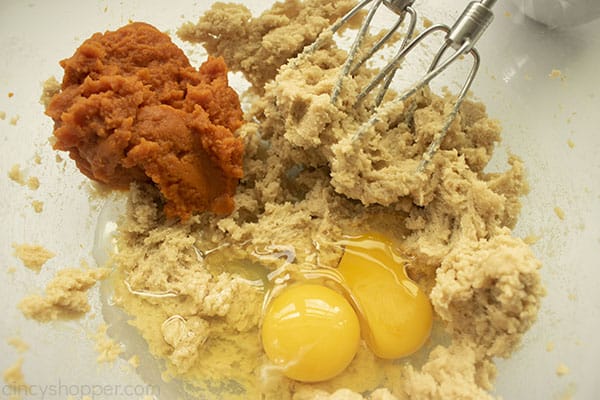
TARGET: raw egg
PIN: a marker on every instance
(396, 314)
(311, 332)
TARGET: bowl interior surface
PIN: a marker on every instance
(542, 84)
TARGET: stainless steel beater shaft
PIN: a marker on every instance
(461, 37)
(401, 8)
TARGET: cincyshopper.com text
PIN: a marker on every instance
(62, 390)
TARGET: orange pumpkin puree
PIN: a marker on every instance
(132, 109)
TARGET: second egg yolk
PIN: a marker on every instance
(311, 332)
(396, 314)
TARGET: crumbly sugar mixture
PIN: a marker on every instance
(266, 43)
(15, 380)
(19, 344)
(108, 350)
(65, 296)
(195, 289)
(16, 174)
(32, 256)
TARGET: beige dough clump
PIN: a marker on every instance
(32, 256)
(488, 292)
(33, 183)
(65, 295)
(38, 206)
(202, 321)
(265, 43)
(108, 350)
(185, 337)
(14, 378)
(195, 289)
(16, 174)
(50, 87)
(19, 344)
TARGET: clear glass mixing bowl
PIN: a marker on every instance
(541, 83)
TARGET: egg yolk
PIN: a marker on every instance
(396, 315)
(311, 332)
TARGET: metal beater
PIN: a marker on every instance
(400, 7)
(461, 38)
